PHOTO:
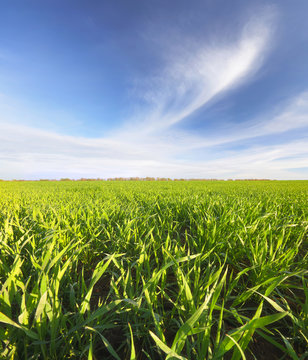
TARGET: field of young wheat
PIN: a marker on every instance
(153, 270)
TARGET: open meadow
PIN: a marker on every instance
(153, 270)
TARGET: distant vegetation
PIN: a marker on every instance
(140, 179)
(153, 270)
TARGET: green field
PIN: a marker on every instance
(153, 270)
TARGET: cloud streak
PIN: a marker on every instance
(28, 152)
(198, 73)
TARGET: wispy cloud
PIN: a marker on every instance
(28, 152)
(196, 73)
(291, 115)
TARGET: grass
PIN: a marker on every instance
(153, 270)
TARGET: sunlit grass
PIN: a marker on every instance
(152, 270)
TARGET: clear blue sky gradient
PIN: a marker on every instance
(197, 89)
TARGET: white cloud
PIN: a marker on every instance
(196, 73)
(294, 116)
(27, 152)
(290, 116)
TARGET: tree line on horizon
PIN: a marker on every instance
(139, 179)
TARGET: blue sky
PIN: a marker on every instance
(203, 89)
